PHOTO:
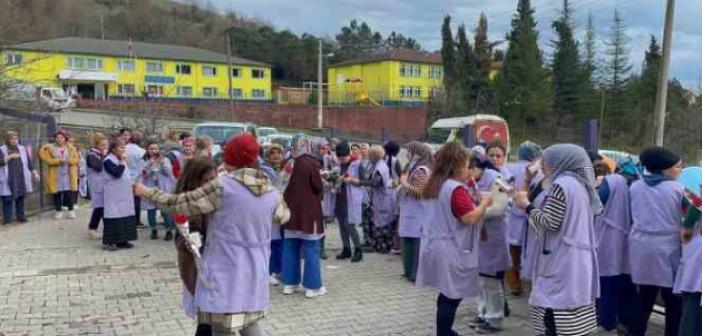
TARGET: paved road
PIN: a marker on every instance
(56, 281)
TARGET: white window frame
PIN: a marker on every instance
(14, 59)
(179, 69)
(263, 73)
(122, 89)
(184, 91)
(255, 95)
(73, 61)
(212, 67)
(417, 91)
(126, 65)
(237, 93)
(160, 90)
(212, 92)
(402, 91)
(159, 65)
(238, 70)
(435, 72)
(403, 70)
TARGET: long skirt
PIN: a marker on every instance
(119, 230)
(379, 239)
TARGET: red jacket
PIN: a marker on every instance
(303, 196)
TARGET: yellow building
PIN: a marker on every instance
(396, 77)
(97, 69)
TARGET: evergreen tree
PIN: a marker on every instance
(589, 62)
(617, 69)
(523, 91)
(483, 95)
(643, 89)
(448, 57)
(590, 102)
(466, 74)
(566, 70)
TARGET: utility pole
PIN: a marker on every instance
(662, 94)
(102, 25)
(229, 75)
(320, 92)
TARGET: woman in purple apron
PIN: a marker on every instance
(96, 181)
(61, 173)
(565, 277)
(120, 220)
(448, 257)
(272, 165)
(16, 175)
(412, 213)
(688, 281)
(497, 154)
(381, 229)
(655, 249)
(392, 149)
(494, 258)
(349, 204)
(157, 172)
(527, 153)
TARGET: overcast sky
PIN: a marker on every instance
(421, 19)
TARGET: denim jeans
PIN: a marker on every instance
(275, 265)
(312, 274)
(167, 219)
(7, 209)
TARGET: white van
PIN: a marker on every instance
(487, 128)
(221, 132)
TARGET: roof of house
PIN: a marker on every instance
(79, 45)
(396, 55)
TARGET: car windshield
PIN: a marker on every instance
(440, 135)
(219, 133)
(57, 93)
(266, 131)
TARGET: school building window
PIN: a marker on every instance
(183, 69)
(125, 65)
(236, 72)
(209, 92)
(435, 72)
(257, 73)
(184, 91)
(84, 63)
(154, 67)
(410, 70)
(237, 93)
(14, 59)
(417, 91)
(208, 70)
(126, 89)
(154, 90)
(410, 91)
(257, 93)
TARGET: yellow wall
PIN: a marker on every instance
(44, 68)
(380, 81)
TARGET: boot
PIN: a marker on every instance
(345, 254)
(357, 255)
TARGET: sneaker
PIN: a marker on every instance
(476, 322)
(486, 329)
(72, 214)
(154, 235)
(312, 293)
(273, 281)
(169, 236)
(289, 290)
(58, 215)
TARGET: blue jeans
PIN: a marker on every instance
(167, 219)
(7, 209)
(275, 265)
(312, 278)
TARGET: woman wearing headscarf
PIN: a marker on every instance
(329, 163)
(494, 258)
(657, 202)
(566, 280)
(16, 174)
(497, 154)
(96, 181)
(303, 194)
(448, 257)
(392, 148)
(61, 173)
(527, 153)
(379, 227)
(349, 205)
(272, 165)
(412, 213)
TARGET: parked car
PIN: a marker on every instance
(264, 132)
(221, 132)
(284, 139)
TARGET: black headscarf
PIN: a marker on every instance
(658, 159)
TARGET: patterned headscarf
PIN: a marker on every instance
(528, 151)
(419, 155)
(301, 145)
(572, 160)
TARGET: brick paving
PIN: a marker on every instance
(54, 280)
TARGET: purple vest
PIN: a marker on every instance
(689, 277)
(5, 176)
(64, 175)
(237, 251)
(383, 204)
(516, 217)
(448, 254)
(654, 238)
(412, 212)
(566, 274)
(531, 242)
(161, 177)
(494, 250)
(355, 195)
(612, 229)
(118, 194)
(96, 182)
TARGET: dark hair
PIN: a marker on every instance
(449, 160)
(116, 143)
(476, 161)
(193, 173)
(148, 144)
(183, 136)
(496, 144)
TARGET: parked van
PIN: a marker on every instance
(52, 98)
(221, 132)
(486, 129)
